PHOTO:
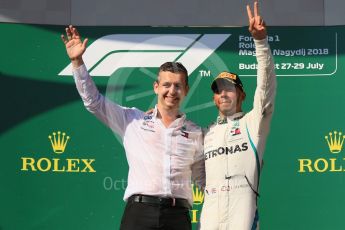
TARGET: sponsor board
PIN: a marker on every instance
(46, 185)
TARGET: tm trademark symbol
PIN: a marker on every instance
(205, 73)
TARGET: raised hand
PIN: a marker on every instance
(257, 26)
(75, 47)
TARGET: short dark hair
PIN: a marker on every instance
(174, 67)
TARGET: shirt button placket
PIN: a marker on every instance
(167, 161)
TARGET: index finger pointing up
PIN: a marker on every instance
(249, 12)
(256, 9)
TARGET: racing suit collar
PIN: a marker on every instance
(224, 120)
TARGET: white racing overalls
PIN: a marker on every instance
(233, 151)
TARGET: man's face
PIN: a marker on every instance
(171, 89)
(228, 99)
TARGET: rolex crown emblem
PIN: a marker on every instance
(58, 141)
(335, 141)
(198, 196)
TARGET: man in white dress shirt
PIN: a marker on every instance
(163, 148)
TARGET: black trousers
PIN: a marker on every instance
(143, 216)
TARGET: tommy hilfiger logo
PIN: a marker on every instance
(235, 131)
(183, 132)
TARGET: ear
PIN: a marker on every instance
(243, 96)
(240, 94)
(155, 87)
(187, 89)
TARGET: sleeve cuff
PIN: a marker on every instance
(261, 43)
(80, 72)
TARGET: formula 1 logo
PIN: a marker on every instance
(112, 52)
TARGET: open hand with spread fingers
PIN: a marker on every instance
(75, 47)
(257, 26)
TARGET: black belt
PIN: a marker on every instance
(163, 201)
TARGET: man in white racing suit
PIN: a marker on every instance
(234, 145)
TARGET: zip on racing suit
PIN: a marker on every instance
(233, 151)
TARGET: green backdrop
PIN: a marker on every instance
(302, 184)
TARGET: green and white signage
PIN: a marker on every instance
(61, 168)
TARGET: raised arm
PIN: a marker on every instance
(75, 47)
(266, 79)
(113, 115)
(257, 26)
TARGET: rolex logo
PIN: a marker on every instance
(58, 142)
(198, 196)
(335, 141)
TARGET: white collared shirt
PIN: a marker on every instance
(161, 160)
